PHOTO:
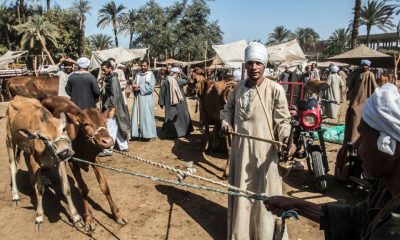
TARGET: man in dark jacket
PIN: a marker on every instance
(82, 86)
(118, 126)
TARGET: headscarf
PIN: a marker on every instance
(366, 62)
(83, 62)
(334, 69)
(381, 112)
(256, 52)
(175, 70)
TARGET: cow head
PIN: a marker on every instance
(51, 138)
(196, 77)
(92, 124)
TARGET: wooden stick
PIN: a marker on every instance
(257, 138)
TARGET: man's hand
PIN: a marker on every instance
(135, 87)
(161, 106)
(278, 204)
(227, 129)
(288, 150)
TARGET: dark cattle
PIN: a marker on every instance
(33, 87)
(89, 136)
(44, 142)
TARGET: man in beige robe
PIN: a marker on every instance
(343, 87)
(257, 107)
(333, 93)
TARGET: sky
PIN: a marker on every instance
(252, 19)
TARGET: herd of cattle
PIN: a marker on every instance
(48, 129)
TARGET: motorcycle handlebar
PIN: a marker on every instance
(328, 101)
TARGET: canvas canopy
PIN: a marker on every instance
(355, 56)
(119, 54)
(9, 57)
(231, 54)
(288, 53)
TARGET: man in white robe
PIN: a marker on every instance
(257, 107)
(333, 93)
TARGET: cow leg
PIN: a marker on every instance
(90, 225)
(76, 219)
(13, 171)
(39, 189)
(206, 136)
(106, 191)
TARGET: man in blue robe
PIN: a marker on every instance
(142, 120)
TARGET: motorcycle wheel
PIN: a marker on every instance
(319, 170)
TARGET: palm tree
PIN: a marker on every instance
(129, 24)
(38, 28)
(279, 35)
(6, 18)
(100, 41)
(355, 23)
(307, 38)
(396, 6)
(377, 13)
(340, 39)
(48, 3)
(110, 14)
(81, 7)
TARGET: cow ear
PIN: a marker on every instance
(109, 113)
(73, 118)
(28, 134)
(63, 119)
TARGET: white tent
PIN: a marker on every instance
(9, 57)
(119, 54)
(231, 54)
(288, 53)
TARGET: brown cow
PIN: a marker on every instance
(213, 97)
(44, 142)
(314, 88)
(33, 87)
(89, 136)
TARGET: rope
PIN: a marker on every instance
(172, 182)
(285, 215)
(183, 174)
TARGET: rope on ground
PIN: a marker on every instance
(285, 215)
(172, 182)
(183, 174)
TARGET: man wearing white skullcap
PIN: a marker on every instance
(257, 107)
(82, 86)
(333, 93)
(378, 217)
(361, 85)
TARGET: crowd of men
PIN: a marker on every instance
(258, 107)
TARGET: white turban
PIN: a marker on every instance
(382, 112)
(256, 52)
(175, 70)
(366, 62)
(83, 62)
(334, 69)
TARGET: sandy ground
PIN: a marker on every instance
(154, 210)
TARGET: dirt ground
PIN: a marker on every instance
(154, 210)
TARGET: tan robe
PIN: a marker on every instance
(334, 82)
(361, 85)
(343, 87)
(253, 163)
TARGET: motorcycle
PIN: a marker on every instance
(306, 120)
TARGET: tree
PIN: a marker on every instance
(81, 7)
(279, 35)
(307, 38)
(338, 42)
(100, 41)
(129, 23)
(109, 14)
(377, 13)
(38, 28)
(355, 23)
(48, 3)
(6, 21)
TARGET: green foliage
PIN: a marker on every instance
(100, 41)
(307, 38)
(110, 14)
(338, 42)
(279, 35)
(3, 49)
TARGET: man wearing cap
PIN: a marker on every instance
(177, 122)
(334, 83)
(68, 67)
(361, 85)
(257, 107)
(82, 86)
(378, 217)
